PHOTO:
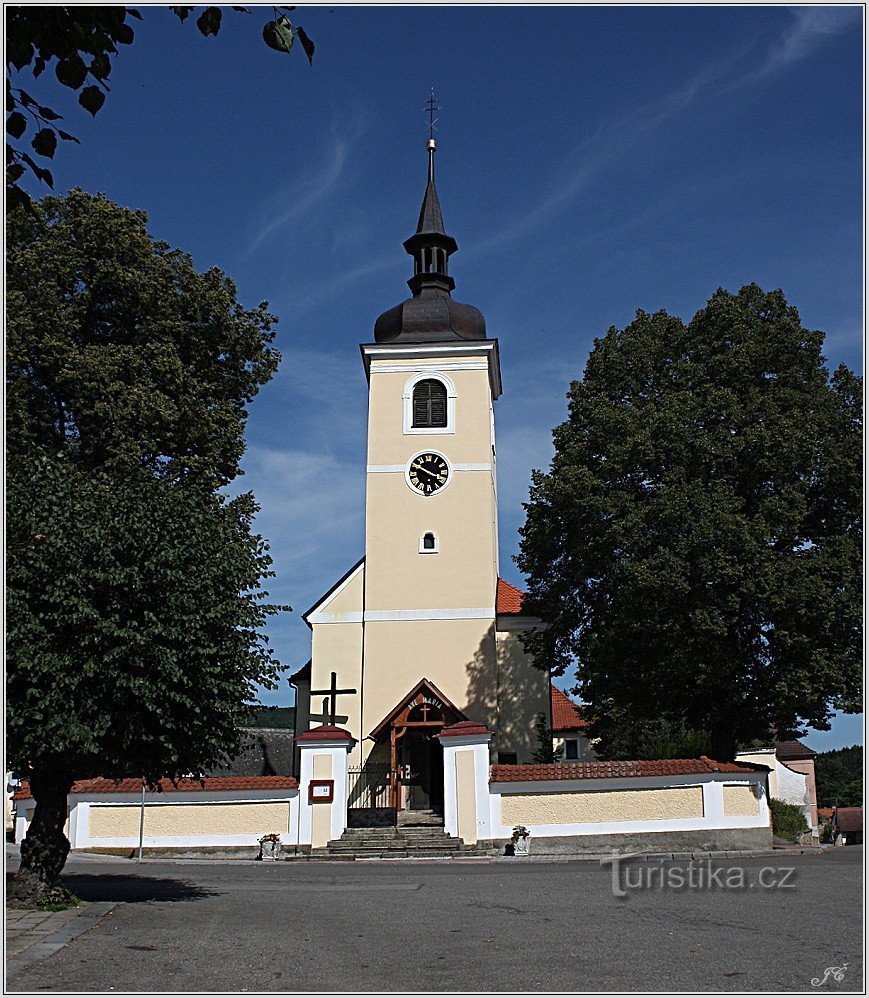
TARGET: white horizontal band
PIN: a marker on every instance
(386, 469)
(356, 617)
(479, 365)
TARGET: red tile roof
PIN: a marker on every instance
(793, 750)
(566, 715)
(608, 770)
(509, 599)
(325, 733)
(464, 728)
(133, 785)
(848, 819)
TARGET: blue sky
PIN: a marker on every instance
(591, 161)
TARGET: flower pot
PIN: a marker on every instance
(269, 850)
(520, 846)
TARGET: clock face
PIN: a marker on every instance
(428, 473)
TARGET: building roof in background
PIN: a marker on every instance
(788, 750)
(303, 675)
(566, 714)
(607, 770)
(263, 752)
(207, 784)
(848, 819)
(272, 718)
(509, 599)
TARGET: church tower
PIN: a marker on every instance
(414, 633)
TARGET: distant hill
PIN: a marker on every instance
(839, 777)
(272, 717)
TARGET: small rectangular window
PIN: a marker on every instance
(506, 758)
(571, 748)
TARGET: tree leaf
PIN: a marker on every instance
(45, 142)
(38, 66)
(67, 137)
(134, 13)
(182, 13)
(306, 44)
(13, 172)
(48, 114)
(279, 35)
(101, 66)
(16, 124)
(71, 71)
(208, 21)
(91, 99)
(16, 198)
(43, 174)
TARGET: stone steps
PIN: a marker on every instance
(425, 841)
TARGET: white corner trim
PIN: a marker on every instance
(315, 610)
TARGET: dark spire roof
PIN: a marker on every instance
(431, 315)
(430, 217)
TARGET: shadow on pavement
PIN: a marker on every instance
(129, 887)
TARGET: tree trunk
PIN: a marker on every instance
(45, 847)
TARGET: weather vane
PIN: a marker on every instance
(430, 108)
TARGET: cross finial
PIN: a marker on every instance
(431, 106)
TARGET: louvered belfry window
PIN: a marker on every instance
(429, 404)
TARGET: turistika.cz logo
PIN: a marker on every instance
(693, 875)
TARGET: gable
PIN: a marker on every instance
(342, 603)
(424, 692)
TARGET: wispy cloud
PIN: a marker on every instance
(302, 196)
(810, 28)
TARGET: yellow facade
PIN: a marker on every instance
(406, 615)
(601, 806)
(167, 820)
(739, 801)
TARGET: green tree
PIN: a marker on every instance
(79, 44)
(134, 601)
(839, 777)
(695, 548)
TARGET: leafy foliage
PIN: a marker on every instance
(544, 751)
(661, 739)
(839, 777)
(120, 354)
(134, 601)
(695, 546)
(788, 820)
(80, 42)
(134, 622)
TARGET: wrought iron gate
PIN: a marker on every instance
(368, 787)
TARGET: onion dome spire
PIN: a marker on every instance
(430, 315)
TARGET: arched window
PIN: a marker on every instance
(429, 403)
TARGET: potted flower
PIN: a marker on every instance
(270, 846)
(520, 840)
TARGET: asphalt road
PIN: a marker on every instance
(511, 926)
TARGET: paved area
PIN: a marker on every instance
(464, 926)
(34, 935)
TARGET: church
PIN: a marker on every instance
(419, 710)
(421, 632)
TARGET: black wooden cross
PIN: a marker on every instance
(332, 693)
